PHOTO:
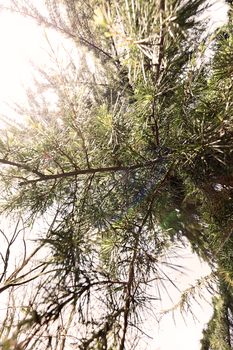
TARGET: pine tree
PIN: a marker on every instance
(126, 163)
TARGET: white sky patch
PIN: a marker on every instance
(218, 14)
(174, 331)
(24, 44)
(91, 62)
(19, 42)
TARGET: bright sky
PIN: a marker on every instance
(174, 332)
(19, 42)
(22, 40)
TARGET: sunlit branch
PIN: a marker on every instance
(20, 166)
(154, 118)
(42, 20)
(91, 171)
(161, 39)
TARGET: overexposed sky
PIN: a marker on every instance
(218, 14)
(22, 41)
(22, 44)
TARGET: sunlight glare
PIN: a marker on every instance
(19, 43)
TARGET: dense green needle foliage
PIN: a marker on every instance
(124, 164)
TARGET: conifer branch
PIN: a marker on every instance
(91, 171)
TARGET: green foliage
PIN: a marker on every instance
(217, 334)
(123, 165)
